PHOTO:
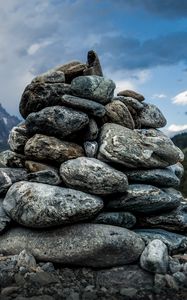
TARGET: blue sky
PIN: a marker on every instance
(142, 45)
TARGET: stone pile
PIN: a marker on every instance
(90, 180)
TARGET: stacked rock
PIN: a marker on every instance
(84, 168)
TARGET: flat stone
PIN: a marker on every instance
(11, 159)
(137, 148)
(51, 76)
(34, 166)
(72, 70)
(146, 199)
(117, 112)
(93, 87)
(17, 138)
(89, 106)
(92, 175)
(10, 175)
(48, 148)
(45, 176)
(4, 218)
(93, 64)
(92, 131)
(37, 96)
(57, 121)
(175, 242)
(91, 148)
(151, 117)
(155, 257)
(130, 102)
(161, 177)
(122, 219)
(130, 93)
(41, 205)
(93, 245)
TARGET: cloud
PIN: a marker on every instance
(180, 98)
(177, 128)
(159, 96)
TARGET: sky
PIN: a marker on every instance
(142, 45)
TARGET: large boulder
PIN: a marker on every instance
(42, 205)
(137, 148)
(91, 245)
(92, 175)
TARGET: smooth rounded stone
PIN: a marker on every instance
(117, 112)
(130, 102)
(17, 139)
(130, 93)
(4, 218)
(175, 220)
(151, 117)
(92, 175)
(37, 96)
(90, 148)
(10, 175)
(41, 205)
(90, 107)
(51, 76)
(178, 169)
(175, 242)
(92, 131)
(48, 148)
(56, 120)
(161, 177)
(34, 166)
(122, 219)
(93, 64)
(11, 159)
(92, 245)
(146, 199)
(137, 148)
(93, 87)
(72, 70)
(45, 176)
(155, 257)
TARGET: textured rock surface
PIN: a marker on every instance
(92, 175)
(130, 93)
(91, 148)
(151, 117)
(117, 112)
(91, 245)
(18, 138)
(93, 64)
(10, 175)
(51, 76)
(34, 166)
(122, 219)
(92, 131)
(141, 198)
(12, 159)
(48, 148)
(45, 176)
(130, 102)
(4, 218)
(178, 169)
(72, 70)
(155, 257)
(93, 87)
(137, 148)
(56, 121)
(40, 205)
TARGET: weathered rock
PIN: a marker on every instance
(151, 117)
(175, 242)
(26, 260)
(72, 70)
(117, 112)
(90, 107)
(174, 265)
(59, 121)
(93, 245)
(161, 177)
(93, 87)
(18, 138)
(155, 257)
(122, 219)
(175, 220)
(93, 64)
(178, 169)
(4, 218)
(48, 148)
(130, 93)
(34, 166)
(10, 175)
(92, 175)
(37, 96)
(137, 148)
(40, 205)
(92, 131)
(12, 159)
(91, 148)
(51, 76)
(130, 102)
(45, 176)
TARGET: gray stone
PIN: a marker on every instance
(4, 218)
(45, 176)
(57, 121)
(91, 148)
(118, 113)
(34, 166)
(93, 87)
(26, 260)
(180, 278)
(12, 159)
(130, 102)
(178, 169)
(92, 175)
(151, 117)
(146, 199)
(175, 242)
(122, 219)
(93, 64)
(155, 257)
(40, 205)
(92, 131)
(48, 148)
(90, 107)
(91, 245)
(37, 96)
(161, 177)
(137, 148)
(174, 265)
(18, 138)
(130, 93)
(72, 70)
(10, 175)
(51, 76)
